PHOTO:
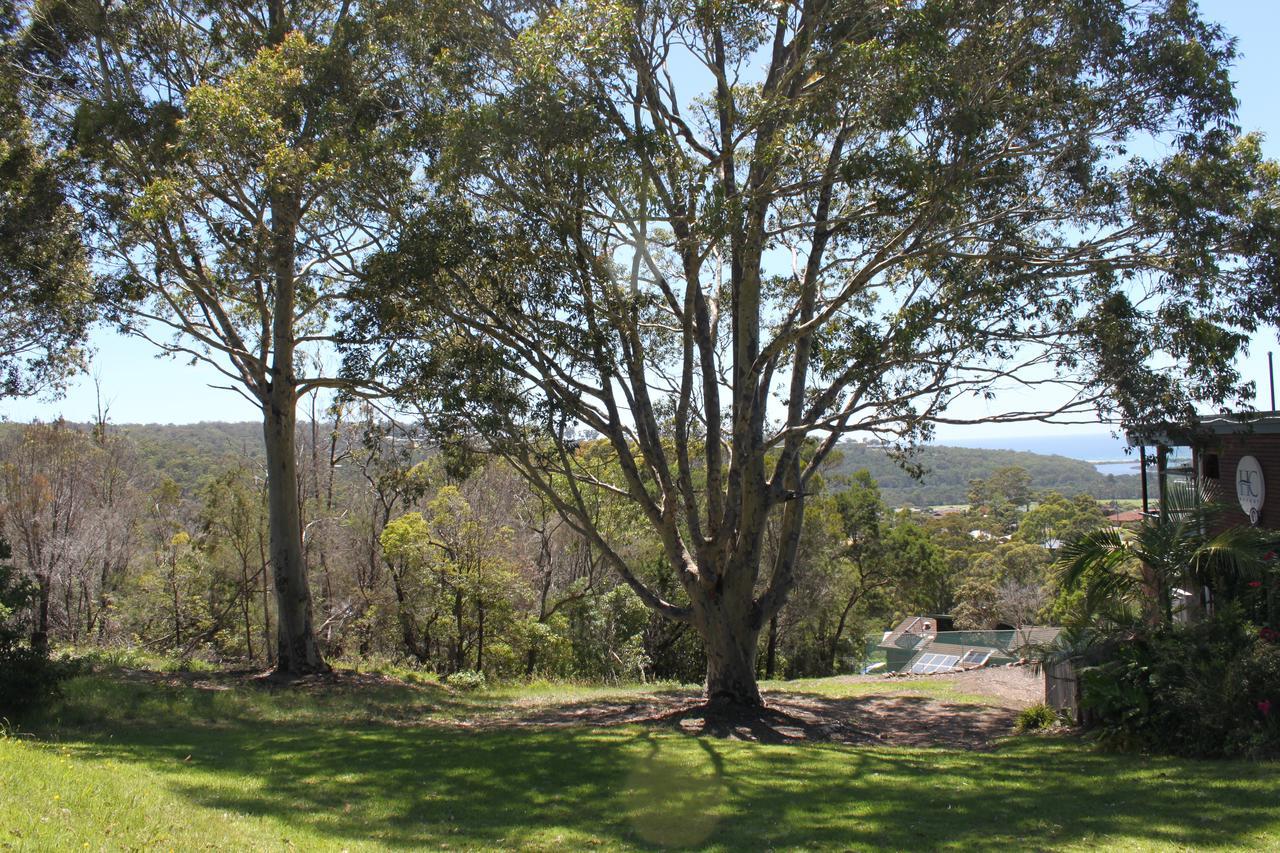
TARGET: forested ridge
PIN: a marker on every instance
(947, 472)
(190, 453)
(183, 453)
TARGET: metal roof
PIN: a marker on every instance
(1239, 423)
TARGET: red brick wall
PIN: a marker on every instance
(1266, 449)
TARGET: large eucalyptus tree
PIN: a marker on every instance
(238, 160)
(724, 235)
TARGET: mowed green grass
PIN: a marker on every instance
(124, 765)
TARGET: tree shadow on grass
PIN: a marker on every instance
(899, 720)
(902, 720)
(415, 786)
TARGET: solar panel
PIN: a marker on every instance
(934, 663)
(976, 657)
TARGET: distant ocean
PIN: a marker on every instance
(1093, 447)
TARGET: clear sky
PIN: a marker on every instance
(141, 388)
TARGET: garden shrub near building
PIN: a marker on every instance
(1207, 689)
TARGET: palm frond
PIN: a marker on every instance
(1101, 548)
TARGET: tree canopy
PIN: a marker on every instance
(46, 298)
(716, 234)
(236, 164)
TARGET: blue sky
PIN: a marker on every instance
(141, 388)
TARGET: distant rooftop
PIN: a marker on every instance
(1128, 516)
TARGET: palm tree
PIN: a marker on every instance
(1129, 575)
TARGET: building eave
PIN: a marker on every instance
(1203, 428)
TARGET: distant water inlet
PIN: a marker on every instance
(1130, 466)
(1105, 453)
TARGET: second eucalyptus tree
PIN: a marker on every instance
(724, 235)
(237, 161)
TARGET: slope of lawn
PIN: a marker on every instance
(123, 763)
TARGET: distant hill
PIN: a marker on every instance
(948, 470)
(187, 453)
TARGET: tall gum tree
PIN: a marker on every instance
(720, 234)
(237, 161)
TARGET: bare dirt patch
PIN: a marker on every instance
(789, 718)
(1008, 686)
(874, 718)
(886, 713)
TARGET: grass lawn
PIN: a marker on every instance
(124, 764)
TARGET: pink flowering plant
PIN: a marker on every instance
(1209, 689)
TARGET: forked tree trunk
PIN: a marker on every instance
(297, 652)
(727, 615)
(730, 642)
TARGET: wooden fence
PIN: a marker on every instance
(1062, 690)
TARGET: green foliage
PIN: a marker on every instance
(1123, 573)
(1056, 520)
(1008, 584)
(1037, 717)
(188, 453)
(112, 660)
(452, 573)
(862, 568)
(606, 638)
(46, 291)
(1002, 495)
(29, 680)
(955, 183)
(466, 679)
(924, 578)
(1207, 689)
(948, 474)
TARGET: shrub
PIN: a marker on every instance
(1209, 689)
(128, 657)
(466, 679)
(1036, 717)
(28, 678)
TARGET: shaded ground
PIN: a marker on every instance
(881, 716)
(364, 762)
(906, 711)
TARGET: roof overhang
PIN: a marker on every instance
(1203, 428)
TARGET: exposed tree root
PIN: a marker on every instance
(767, 723)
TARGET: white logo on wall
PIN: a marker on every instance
(1250, 487)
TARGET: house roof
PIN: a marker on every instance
(1129, 516)
(1237, 423)
(910, 636)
